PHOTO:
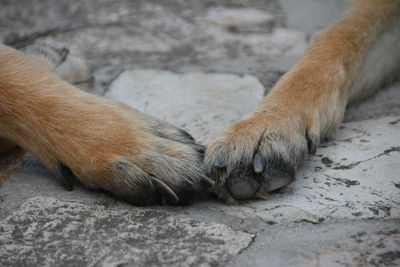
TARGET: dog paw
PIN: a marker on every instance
(258, 155)
(104, 144)
(135, 157)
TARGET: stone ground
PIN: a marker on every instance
(202, 65)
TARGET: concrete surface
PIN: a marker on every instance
(343, 208)
(47, 232)
(153, 93)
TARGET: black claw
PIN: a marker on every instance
(166, 190)
(219, 163)
(199, 148)
(66, 176)
(259, 163)
(310, 145)
(187, 136)
(209, 181)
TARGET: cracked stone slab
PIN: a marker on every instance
(354, 176)
(304, 244)
(49, 232)
(203, 103)
(361, 249)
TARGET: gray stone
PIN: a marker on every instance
(152, 33)
(362, 249)
(204, 104)
(240, 18)
(344, 243)
(384, 103)
(314, 15)
(50, 232)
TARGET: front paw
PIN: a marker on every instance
(135, 157)
(258, 155)
(166, 171)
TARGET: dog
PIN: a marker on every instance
(109, 146)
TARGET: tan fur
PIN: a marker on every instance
(105, 144)
(309, 101)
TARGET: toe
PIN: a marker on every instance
(265, 175)
(243, 184)
(277, 174)
(169, 173)
(259, 163)
(166, 190)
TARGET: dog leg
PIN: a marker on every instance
(58, 60)
(61, 62)
(102, 143)
(261, 153)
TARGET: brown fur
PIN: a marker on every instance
(307, 104)
(107, 145)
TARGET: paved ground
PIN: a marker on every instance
(216, 58)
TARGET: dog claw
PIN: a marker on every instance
(219, 163)
(166, 189)
(262, 194)
(312, 148)
(187, 136)
(199, 148)
(66, 176)
(209, 181)
(259, 163)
